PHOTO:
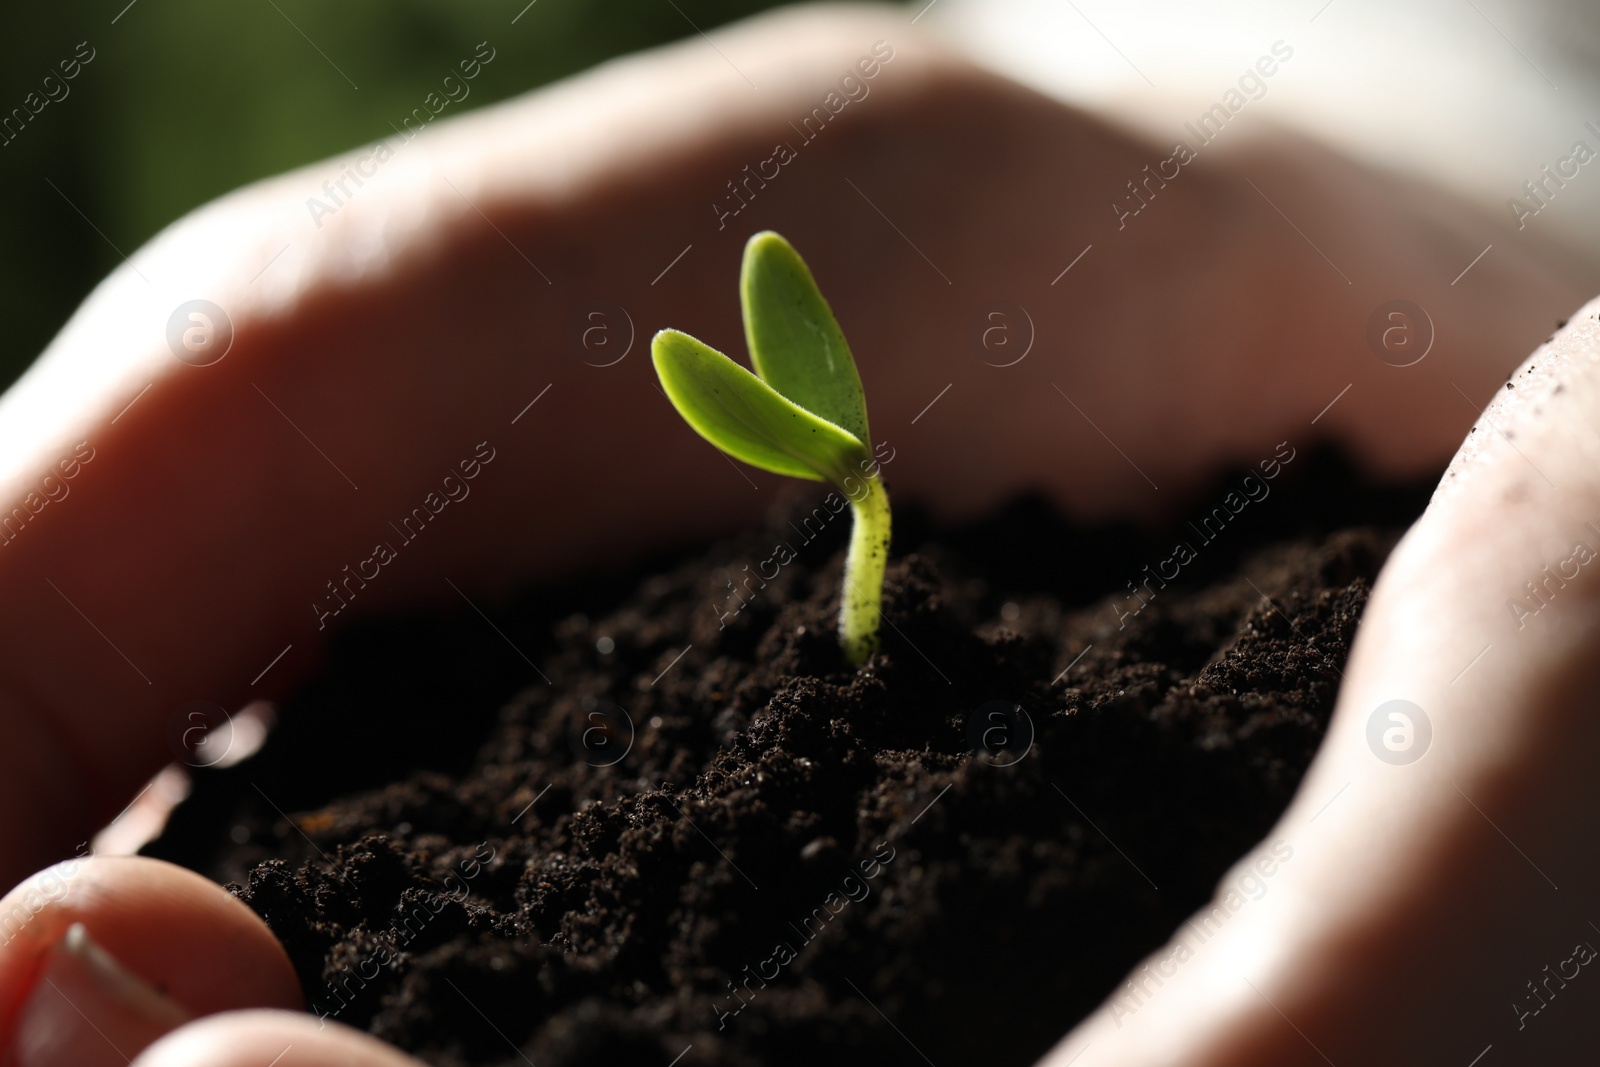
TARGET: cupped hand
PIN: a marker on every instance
(440, 318)
(1430, 895)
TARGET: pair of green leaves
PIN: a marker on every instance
(802, 413)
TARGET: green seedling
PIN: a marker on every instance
(802, 413)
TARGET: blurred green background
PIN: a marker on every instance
(187, 99)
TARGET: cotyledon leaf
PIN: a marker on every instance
(796, 345)
(749, 419)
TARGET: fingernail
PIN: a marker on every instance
(87, 1009)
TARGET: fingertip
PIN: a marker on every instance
(129, 946)
(278, 1038)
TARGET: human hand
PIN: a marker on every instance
(1440, 899)
(375, 351)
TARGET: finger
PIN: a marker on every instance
(1435, 902)
(275, 1038)
(102, 956)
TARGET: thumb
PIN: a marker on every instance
(275, 1038)
(101, 957)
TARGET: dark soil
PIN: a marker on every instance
(793, 862)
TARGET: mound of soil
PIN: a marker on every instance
(706, 840)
